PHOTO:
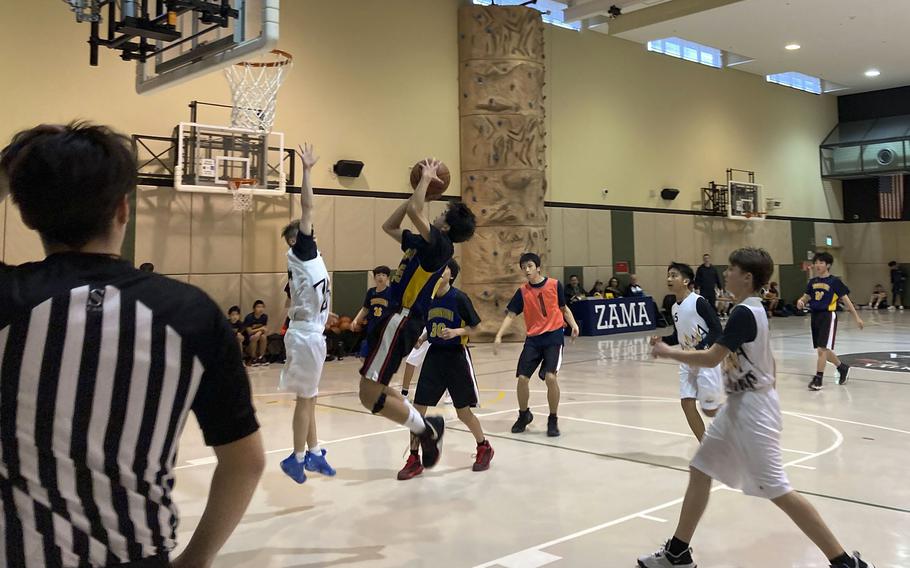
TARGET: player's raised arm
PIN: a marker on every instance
(307, 202)
(417, 201)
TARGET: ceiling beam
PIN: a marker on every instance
(663, 13)
(580, 11)
(669, 10)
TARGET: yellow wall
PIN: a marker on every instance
(377, 81)
(634, 122)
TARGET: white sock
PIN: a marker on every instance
(316, 450)
(415, 422)
(300, 456)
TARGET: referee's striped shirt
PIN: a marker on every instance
(100, 365)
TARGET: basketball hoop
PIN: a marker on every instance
(254, 89)
(242, 201)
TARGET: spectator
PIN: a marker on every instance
(574, 291)
(612, 290)
(898, 277)
(723, 303)
(147, 267)
(879, 295)
(634, 289)
(237, 326)
(771, 298)
(597, 291)
(257, 336)
(707, 280)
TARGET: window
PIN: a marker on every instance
(551, 11)
(688, 50)
(798, 81)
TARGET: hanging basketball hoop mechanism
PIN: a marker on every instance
(254, 93)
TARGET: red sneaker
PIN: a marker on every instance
(411, 469)
(484, 456)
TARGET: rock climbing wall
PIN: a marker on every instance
(503, 162)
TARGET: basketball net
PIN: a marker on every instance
(241, 201)
(254, 89)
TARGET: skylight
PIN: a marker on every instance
(688, 50)
(551, 11)
(798, 81)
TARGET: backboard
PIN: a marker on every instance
(745, 200)
(209, 156)
(205, 46)
(172, 41)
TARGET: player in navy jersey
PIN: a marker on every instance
(375, 305)
(822, 294)
(426, 253)
(450, 320)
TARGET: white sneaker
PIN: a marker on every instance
(663, 559)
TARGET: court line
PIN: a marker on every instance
(651, 518)
(899, 431)
(839, 438)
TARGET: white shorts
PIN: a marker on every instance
(305, 355)
(741, 448)
(418, 354)
(703, 383)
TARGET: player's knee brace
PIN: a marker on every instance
(380, 403)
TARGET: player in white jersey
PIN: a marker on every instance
(310, 293)
(695, 326)
(742, 446)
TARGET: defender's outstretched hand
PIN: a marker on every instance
(308, 156)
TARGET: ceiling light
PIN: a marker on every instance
(873, 73)
(792, 46)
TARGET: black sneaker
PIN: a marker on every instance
(842, 371)
(857, 562)
(524, 418)
(816, 384)
(431, 440)
(552, 427)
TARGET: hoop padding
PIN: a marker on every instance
(241, 201)
(254, 90)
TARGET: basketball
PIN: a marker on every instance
(436, 189)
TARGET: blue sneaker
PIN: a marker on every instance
(318, 463)
(293, 468)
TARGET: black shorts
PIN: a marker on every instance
(447, 367)
(824, 329)
(548, 358)
(396, 336)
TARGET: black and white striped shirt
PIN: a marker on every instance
(100, 365)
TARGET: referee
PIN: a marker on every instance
(100, 365)
(707, 280)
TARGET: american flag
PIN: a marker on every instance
(891, 196)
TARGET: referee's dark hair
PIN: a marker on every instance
(684, 270)
(68, 181)
(529, 256)
(755, 261)
(824, 257)
(454, 269)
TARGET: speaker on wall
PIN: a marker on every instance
(669, 193)
(348, 168)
